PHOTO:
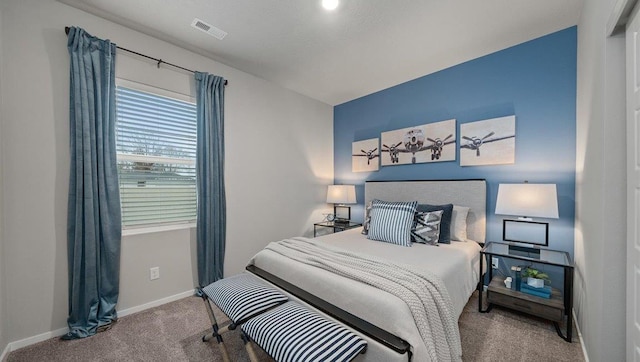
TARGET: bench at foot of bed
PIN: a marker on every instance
(240, 297)
(287, 332)
(292, 332)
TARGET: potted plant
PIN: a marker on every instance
(535, 278)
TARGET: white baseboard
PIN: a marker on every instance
(12, 346)
(36, 339)
(155, 303)
(4, 353)
(575, 322)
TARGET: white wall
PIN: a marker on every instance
(600, 242)
(278, 160)
(3, 319)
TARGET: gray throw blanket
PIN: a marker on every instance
(424, 292)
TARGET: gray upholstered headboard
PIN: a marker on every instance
(469, 193)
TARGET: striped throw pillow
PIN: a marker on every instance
(243, 296)
(427, 228)
(392, 221)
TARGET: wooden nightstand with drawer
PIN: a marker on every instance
(551, 309)
(557, 308)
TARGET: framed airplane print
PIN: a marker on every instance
(488, 142)
(432, 142)
(365, 156)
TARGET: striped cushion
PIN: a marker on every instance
(294, 333)
(243, 296)
(392, 221)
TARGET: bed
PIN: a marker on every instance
(456, 264)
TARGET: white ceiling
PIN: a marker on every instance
(360, 48)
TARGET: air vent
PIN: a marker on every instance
(209, 29)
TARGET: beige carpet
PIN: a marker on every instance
(173, 332)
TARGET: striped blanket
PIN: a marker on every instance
(424, 293)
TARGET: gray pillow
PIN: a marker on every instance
(427, 228)
(445, 232)
(367, 218)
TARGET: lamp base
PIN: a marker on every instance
(342, 212)
(529, 252)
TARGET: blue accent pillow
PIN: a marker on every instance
(392, 221)
(445, 223)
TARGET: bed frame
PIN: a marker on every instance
(470, 193)
(380, 335)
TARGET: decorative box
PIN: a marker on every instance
(536, 283)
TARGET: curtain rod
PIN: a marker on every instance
(159, 61)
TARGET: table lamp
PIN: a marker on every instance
(526, 201)
(339, 196)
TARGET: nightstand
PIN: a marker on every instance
(556, 308)
(337, 227)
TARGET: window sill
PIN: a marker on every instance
(157, 229)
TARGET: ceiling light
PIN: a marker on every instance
(330, 4)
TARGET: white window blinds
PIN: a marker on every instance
(156, 146)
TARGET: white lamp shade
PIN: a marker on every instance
(341, 194)
(532, 200)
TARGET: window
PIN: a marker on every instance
(156, 148)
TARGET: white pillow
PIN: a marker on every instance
(459, 223)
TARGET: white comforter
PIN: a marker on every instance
(456, 264)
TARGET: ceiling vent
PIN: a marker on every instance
(209, 29)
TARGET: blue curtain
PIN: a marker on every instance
(211, 228)
(94, 221)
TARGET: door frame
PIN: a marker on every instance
(622, 14)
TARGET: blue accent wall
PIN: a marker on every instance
(535, 81)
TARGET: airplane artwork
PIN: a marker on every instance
(488, 142)
(365, 155)
(414, 142)
(430, 139)
(437, 144)
(370, 155)
(474, 143)
(393, 151)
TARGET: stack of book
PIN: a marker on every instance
(544, 292)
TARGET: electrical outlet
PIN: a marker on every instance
(494, 262)
(154, 273)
